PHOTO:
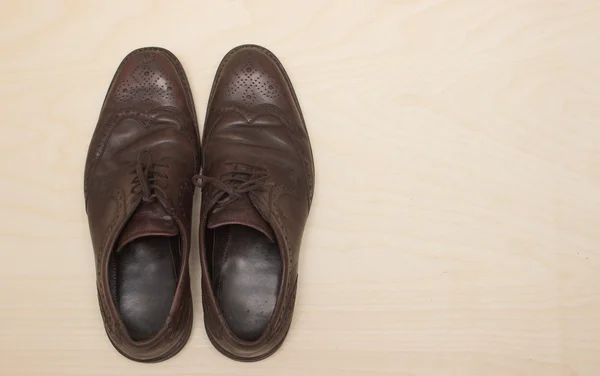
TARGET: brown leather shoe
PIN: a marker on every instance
(138, 193)
(257, 189)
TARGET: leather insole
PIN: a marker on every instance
(246, 277)
(143, 281)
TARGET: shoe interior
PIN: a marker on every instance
(246, 276)
(143, 279)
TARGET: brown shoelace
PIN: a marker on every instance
(232, 185)
(148, 180)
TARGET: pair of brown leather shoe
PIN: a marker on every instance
(257, 184)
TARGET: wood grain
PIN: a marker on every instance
(455, 227)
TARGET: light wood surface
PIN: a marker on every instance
(456, 222)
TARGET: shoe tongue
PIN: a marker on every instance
(149, 219)
(240, 212)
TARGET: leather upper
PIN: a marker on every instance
(254, 124)
(147, 115)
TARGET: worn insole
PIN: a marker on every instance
(143, 282)
(246, 278)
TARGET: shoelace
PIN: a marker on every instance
(233, 184)
(148, 180)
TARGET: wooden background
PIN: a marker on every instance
(456, 222)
